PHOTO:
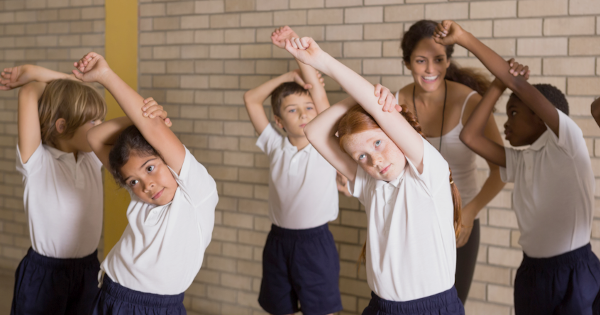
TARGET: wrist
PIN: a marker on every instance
(106, 77)
(464, 38)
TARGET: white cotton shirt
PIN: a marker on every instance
(302, 188)
(162, 247)
(63, 201)
(553, 196)
(411, 245)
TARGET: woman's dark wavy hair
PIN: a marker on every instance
(467, 76)
(130, 140)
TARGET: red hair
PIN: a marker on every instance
(358, 120)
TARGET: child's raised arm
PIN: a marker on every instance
(395, 126)
(30, 135)
(93, 68)
(14, 77)
(255, 98)
(309, 74)
(449, 32)
(321, 134)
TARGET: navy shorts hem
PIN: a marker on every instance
(443, 303)
(116, 299)
(300, 266)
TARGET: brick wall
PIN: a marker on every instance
(52, 34)
(197, 58)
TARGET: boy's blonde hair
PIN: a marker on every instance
(77, 103)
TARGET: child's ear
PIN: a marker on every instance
(279, 122)
(61, 125)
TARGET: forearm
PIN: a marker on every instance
(491, 60)
(107, 132)
(475, 126)
(259, 94)
(42, 74)
(492, 186)
(317, 91)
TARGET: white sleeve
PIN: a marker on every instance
(360, 183)
(201, 189)
(436, 172)
(508, 173)
(570, 136)
(269, 140)
(35, 162)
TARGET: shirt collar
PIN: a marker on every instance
(60, 155)
(541, 141)
(396, 182)
(287, 145)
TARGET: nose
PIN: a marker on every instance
(148, 187)
(429, 68)
(302, 112)
(376, 159)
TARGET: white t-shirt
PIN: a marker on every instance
(411, 246)
(553, 196)
(63, 201)
(302, 188)
(162, 247)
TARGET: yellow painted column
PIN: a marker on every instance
(121, 38)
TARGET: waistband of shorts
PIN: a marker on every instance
(418, 306)
(124, 294)
(299, 234)
(90, 260)
(580, 254)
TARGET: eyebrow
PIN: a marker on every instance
(442, 55)
(140, 167)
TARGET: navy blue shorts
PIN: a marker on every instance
(564, 284)
(45, 285)
(444, 303)
(115, 299)
(300, 266)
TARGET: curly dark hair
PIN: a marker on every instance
(467, 76)
(130, 140)
(552, 94)
(282, 91)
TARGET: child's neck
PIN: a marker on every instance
(65, 147)
(299, 142)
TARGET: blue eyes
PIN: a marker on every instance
(294, 110)
(362, 156)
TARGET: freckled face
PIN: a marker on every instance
(150, 179)
(297, 110)
(376, 153)
(523, 126)
(428, 64)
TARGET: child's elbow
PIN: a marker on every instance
(309, 132)
(247, 97)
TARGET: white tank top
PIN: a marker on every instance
(461, 159)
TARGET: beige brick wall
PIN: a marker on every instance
(49, 33)
(198, 57)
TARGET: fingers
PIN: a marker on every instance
(168, 122)
(390, 103)
(378, 89)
